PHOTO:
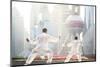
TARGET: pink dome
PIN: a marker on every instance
(74, 21)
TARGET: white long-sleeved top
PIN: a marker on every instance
(75, 47)
(43, 40)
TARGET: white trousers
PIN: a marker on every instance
(40, 52)
(71, 55)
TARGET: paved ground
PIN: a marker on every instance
(21, 62)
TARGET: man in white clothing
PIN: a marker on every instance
(42, 48)
(74, 49)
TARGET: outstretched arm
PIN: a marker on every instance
(53, 39)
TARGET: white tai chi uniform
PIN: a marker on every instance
(74, 50)
(42, 48)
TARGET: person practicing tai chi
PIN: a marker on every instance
(42, 49)
(75, 46)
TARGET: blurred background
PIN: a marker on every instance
(28, 19)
